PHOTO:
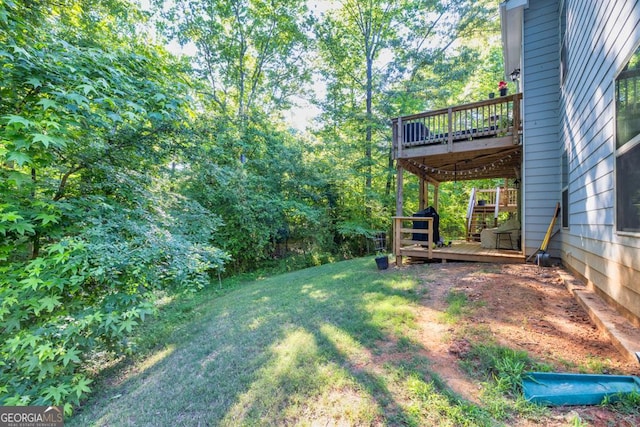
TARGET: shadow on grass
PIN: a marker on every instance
(330, 344)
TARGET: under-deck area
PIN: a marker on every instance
(480, 140)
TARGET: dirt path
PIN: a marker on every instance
(525, 308)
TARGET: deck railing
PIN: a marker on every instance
(413, 235)
(481, 200)
(491, 118)
(496, 196)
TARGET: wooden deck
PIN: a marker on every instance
(464, 251)
(413, 237)
(472, 141)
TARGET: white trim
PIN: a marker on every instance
(628, 146)
(511, 26)
(625, 148)
(512, 4)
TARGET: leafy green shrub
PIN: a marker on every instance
(89, 224)
(86, 292)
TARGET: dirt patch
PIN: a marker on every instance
(522, 307)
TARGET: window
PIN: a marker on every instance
(565, 189)
(627, 87)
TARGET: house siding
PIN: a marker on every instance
(601, 36)
(541, 152)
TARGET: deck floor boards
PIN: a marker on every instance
(466, 251)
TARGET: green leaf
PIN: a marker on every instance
(82, 386)
(23, 227)
(54, 394)
(6, 54)
(34, 82)
(71, 355)
(49, 303)
(114, 116)
(47, 218)
(19, 158)
(12, 216)
(32, 282)
(87, 88)
(46, 369)
(18, 49)
(46, 140)
(127, 325)
(60, 247)
(18, 119)
(48, 103)
(77, 98)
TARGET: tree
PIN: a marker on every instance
(382, 59)
(88, 226)
(351, 40)
(251, 52)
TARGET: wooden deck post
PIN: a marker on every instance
(424, 194)
(450, 135)
(397, 237)
(400, 138)
(399, 207)
(436, 191)
(516, 117)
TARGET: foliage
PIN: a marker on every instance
(250, 52)
(504, 365)
(88, 225)
(626, 403)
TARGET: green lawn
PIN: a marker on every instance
(328, 345)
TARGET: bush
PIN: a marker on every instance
(87, 291)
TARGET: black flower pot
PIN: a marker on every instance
(382, 262)
(503, 92)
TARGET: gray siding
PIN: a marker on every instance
(601, 35)
(541, 156)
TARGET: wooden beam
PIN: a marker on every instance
(488, 158)
(400, 135)
(415, 169)
(399, 190)
(450, 133)
(458, 147)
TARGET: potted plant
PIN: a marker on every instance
(382, 261)
(502, 87)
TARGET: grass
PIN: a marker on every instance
(334, 344)
(502, 370)
(457, 306)
(337, 344)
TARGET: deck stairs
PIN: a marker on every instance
(485, 206)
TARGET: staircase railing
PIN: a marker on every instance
(482, 200)
(472, 202)
(497, 208)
